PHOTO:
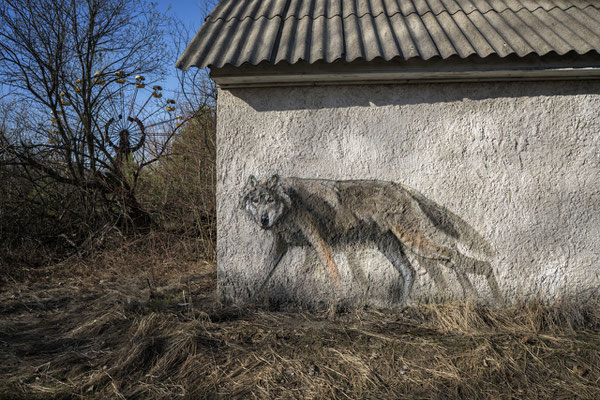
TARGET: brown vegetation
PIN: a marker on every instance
(43, 222)
(76, 114)
(141, 321)
(91, 149)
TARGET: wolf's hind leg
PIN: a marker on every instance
(355, 265)
(467, 287)
(393, 251)
(479, 267)
(493, 284)
(421, 245)
(435, 272)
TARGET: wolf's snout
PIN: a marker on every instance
(264, 220)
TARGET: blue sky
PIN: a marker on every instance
(192, 13)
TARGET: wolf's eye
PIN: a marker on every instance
(270, 200)
(255, 200)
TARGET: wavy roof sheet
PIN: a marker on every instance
(254, 31)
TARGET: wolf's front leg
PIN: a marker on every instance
(310, 230)
(278, 249)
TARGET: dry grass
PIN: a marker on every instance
(99, 331)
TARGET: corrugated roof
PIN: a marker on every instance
(253, 31)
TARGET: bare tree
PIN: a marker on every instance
(85, 72)
(197, 90)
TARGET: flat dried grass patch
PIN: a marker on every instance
(108, 335)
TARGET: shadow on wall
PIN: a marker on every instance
(394, 218)
(325, 97)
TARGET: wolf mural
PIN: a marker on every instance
(321, 213)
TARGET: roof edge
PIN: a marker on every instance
(454, 69)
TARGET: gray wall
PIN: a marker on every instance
(518, 161)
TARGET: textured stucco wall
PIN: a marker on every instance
(518, 161)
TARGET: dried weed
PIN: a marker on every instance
(105, 332)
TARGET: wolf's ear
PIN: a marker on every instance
(250, 186)
(273, 181)
(243, 199)
(251, 183)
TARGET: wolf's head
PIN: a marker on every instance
(265, 201)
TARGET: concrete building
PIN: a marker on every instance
(487, 108)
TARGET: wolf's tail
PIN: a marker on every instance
(452, 226)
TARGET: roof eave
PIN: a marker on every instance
(493, 68)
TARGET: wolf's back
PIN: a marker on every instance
(347, 204)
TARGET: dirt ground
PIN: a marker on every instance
(73, 331)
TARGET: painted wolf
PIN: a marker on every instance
(320, 213)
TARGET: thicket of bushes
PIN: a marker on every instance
(92, 149)
(43, 221)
